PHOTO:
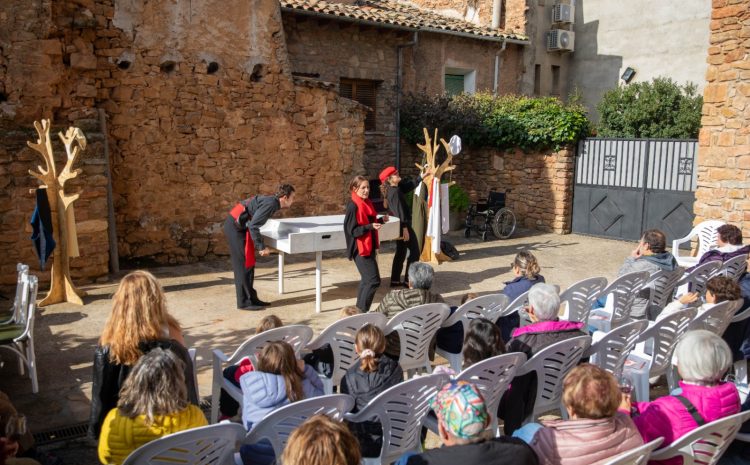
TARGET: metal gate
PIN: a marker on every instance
(624, 186)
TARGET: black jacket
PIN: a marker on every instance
(364, 387)
(497, 451)
(353, 230)
(396, 198)
(109, 377)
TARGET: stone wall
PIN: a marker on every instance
(724, 154)
(539, 185)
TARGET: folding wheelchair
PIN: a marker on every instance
(491, 215)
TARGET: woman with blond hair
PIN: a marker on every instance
(364, 381)
(279, 379)
(525, 270)
(138, 323)
(321, 441)
(153, 403)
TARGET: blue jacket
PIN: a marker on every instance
(520, 285)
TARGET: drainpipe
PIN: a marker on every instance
(399, 73)
(496, 7)
(497, 67)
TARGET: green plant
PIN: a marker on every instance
(485, 120)
(458, 199)
(660, 108)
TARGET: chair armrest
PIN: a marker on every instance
(317, 343)
(219, 355)
(676, 244)
(363, 415)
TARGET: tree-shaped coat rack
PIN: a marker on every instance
(61, 286)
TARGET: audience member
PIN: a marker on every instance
(16, 441)
(321, 359)
(702, 359)
(321, 441)
(595, 431)
(418, 293)
(729, 243)
(482, 342)
(451, 338)
(526, 269)
(546, 329)
(718, 289)
(138, 323)
(278, 380)
(462, 425)
(228, 407)
(373, 375)
(153, 403)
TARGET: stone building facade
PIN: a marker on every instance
(724, 156)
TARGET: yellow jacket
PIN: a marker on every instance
(122, 435)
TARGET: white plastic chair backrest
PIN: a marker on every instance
(206, 445)
(665, 333)
(743, 315)
(400, 410)
(416, 327)
(580, 296)
(295, 335)
(518, 305)
(637, 456)
(551, 365)
(704, 445)
(699, 276)
(624, 290)
(717, 318)
(279, 424)
(482, 307)
(661, 286)
(708, 236)
(610, 352)
(22, 292)
(340, 336)
(492, 377)
(734, 267)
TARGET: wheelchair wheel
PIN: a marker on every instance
(467, 232)
(503, 223)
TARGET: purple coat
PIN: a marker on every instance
(666, 416)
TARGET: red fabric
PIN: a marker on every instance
(365, 215)
(386, 173)
(249, 250)
(245, 366)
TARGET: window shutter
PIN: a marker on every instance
(364, 92)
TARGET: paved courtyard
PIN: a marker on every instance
(201, 296)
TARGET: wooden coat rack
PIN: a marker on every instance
(61, 286)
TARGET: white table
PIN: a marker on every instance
(314, 234)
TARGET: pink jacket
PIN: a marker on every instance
(584, 441)
(666, 416)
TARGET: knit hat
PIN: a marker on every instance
(460, 407)
(387, 172)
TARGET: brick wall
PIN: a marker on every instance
(539, 185)
(724, 155)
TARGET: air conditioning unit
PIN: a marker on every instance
(560, 40)
(562, 13)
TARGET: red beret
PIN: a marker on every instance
(387, 172)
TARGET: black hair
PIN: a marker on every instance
(482, 341)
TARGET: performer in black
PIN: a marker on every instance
(394, 188)
(361, 226)
(242, 228)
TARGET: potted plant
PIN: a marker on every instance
(458, 204)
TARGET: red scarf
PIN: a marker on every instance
(366, 214)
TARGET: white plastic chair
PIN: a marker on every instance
(580, 296)
(340, 337)
(500, 309)
(474, 308)
(641, 366)
(551, 365)
(21, 299)
(296, 335)
(492, 377)
(611, 351)
(733, 268)
(717, 318)
(192, 353)
(696, 280)
(706, 444)
(740, 366)
(620, 295)
(637, 456)
(400, 410)
(661, 286)
(279, 424)
(18, 337)
(708, 237)
(207, 445)
(518, 305)
(416, 327)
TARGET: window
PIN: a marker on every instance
(537, 80)
(555, 80)
(363, 91)
(454, 84)
(458, 81)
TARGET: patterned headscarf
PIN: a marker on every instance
(461, 408)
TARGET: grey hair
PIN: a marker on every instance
(545, 301)
(156, 386)
(702, 356)
(420, 275)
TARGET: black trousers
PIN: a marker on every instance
(369, 281)
(243, 277)
(398, 259)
